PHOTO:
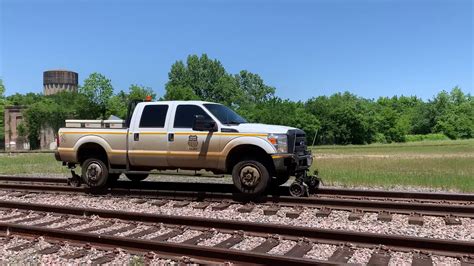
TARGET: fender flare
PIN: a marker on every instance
(255, 141)
(92, 139)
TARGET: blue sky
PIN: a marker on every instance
(304, 48)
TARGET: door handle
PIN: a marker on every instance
(170, 136)
(136, 136)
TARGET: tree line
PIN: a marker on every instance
(341, 118)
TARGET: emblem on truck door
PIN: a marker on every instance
(193, 142)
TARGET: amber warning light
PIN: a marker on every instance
(148, 98)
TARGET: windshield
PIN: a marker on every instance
(225, 114)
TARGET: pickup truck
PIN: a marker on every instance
(191, 135)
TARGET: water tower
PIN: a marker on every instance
(55, 81)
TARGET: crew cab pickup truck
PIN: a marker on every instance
(192, 135)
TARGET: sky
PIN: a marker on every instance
(304, 49)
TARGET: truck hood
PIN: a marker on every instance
(260, 128)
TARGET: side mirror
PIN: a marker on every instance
(203, 124)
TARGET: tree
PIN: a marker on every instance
(98, 90)
(201, 78)
(253, 87)
(118, 103)
(2, 111)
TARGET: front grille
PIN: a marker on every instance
(297, 142)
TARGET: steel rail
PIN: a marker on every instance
(228, 188)
(176, 249)
(432, 209)
(447, 247)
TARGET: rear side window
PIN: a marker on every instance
(185, 114)
(154, 116)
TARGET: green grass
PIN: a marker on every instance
(447, 165)
(30, 163)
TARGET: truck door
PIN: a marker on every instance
(189, 148)
(147, 137)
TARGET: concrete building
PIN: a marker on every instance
(54, 81)
(13, 118)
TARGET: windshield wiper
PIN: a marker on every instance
(233, 122)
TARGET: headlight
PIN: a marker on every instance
(279, 141)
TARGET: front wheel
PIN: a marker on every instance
(250, 177)
(137, 177)
(95, 173)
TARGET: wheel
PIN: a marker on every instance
(95, 173)
(298, 189)
(250, 177)
(137, 177)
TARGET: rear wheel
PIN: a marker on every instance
(137, 177)
(95, 173)
(250, 177)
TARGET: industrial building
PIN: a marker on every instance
(54, 81)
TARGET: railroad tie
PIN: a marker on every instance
(195, 240)
(76, 224)
(120, 230)
(221, 206)
(159, 203)
(23, 246)
(294, 214)
(29, 219)
(300, 249)
(420, 259)
(49, 250)
(181, 204)
(246, 208)
(272, 210)
(384, 216)
(139, 201)
(324, 212)
(95, 228)
(379, 258)
(171, 234)
(103, 259)
(76, 254)
(341, 255)
(57, 220)
(201, 205)
(356, 215)
(267, 245)
(145, 232)
(467, 261)
(416, 219)
(452, 220)
(13, 217)
(230, 242)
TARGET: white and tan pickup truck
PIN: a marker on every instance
(191, 135)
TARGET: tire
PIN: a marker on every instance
(95, 173)
(136, 177)
(250, 177)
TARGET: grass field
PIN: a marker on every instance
(446, 165)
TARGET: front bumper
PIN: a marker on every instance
(289, 164)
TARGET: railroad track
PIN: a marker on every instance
(216, 240)
(451, 206)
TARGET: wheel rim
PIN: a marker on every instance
(296, 190)
(250, 176)
(94, 172)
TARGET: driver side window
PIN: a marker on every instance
(185, 114)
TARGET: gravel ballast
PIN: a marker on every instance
(434, 227)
